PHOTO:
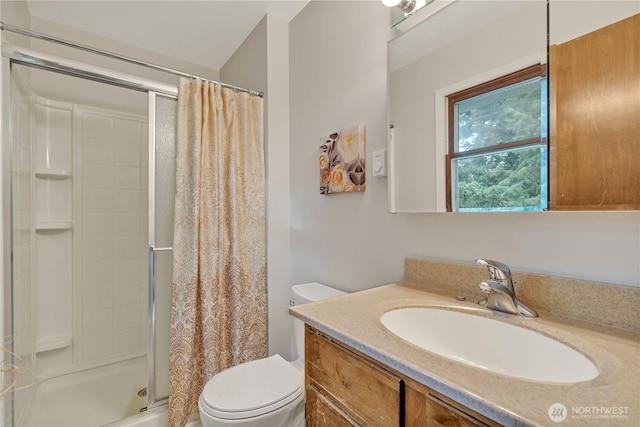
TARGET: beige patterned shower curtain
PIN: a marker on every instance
(219, 295)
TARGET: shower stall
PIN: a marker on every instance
(88, 176)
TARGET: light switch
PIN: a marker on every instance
(380, 163)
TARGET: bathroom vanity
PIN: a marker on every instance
(359, 373)
(344, 387)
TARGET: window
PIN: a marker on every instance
(497, 157)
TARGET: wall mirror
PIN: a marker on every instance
(470, 43)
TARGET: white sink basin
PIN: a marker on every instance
(490, 344)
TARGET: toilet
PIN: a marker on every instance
(263, 392)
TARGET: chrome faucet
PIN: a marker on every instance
(501, 295)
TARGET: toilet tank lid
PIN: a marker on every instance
(310, 292)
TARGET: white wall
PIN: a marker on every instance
(563, 26)
(278, 189)
(15, 13)
(338, 78)
(338, 74)
(261, 63)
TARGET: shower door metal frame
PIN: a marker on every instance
(151, 360)
(6, 297)
(30, 58)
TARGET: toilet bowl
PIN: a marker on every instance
(264, 392)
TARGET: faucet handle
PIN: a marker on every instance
(491, 286)
(499, 297)
(485, 287)
(497, 270)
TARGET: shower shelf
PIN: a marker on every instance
(54, 343)
(54, 173)
(54, 226)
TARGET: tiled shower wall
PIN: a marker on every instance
(112, 235)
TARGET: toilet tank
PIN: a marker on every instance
(303, 294)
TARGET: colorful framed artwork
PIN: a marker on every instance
(342, 156)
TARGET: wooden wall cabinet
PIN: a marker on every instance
(347, 388)
(595, 120)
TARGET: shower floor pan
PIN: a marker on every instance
(90, 398)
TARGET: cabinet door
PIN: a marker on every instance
(368, 394)
(426, 408)
(595, 138)
(321, 412)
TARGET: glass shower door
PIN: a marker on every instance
(163, 113)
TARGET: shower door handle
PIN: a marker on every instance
(152, 264)
(152, 259)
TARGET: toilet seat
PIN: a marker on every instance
(252, 389)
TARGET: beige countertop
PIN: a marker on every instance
(613, 398)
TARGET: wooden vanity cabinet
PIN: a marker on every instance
(347, 388)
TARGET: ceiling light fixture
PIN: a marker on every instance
(406, 6)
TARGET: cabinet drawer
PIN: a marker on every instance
(321, 412)
(427, 408)
(368, 394)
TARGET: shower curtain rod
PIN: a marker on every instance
(41, 36)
